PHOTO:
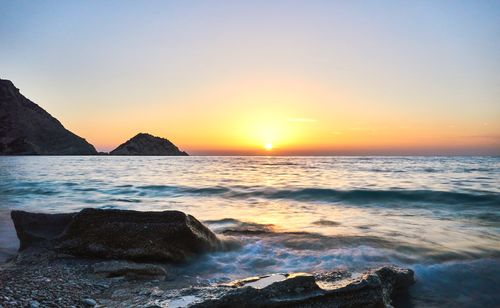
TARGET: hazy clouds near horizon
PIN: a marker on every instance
(310, 77)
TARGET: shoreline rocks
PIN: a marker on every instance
(65, 282)
(44, 273)
(170, 236)
(374, 288)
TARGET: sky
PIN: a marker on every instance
(264, 77)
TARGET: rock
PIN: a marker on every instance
(146, 144)
(37, 229)
(27, 129)
(395, 279)
(34, 304)
(101, 285)
(124, 268)
(372, 289)
(89, 302)
(156, 292)
(120, 293)
(118, 234)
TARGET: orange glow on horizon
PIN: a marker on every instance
(291, 117)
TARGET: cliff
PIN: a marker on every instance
(27, 129)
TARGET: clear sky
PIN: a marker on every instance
(230, 77)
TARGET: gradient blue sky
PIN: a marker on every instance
(227, 77)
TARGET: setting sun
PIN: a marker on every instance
(268, 146)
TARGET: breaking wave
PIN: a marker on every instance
(357, 196)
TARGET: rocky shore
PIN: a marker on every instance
(46, 274)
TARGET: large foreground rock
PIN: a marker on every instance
(375, 288)
(146, 144)
(27, 129)
(117, 234)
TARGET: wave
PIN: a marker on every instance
(185, 190)
(364, 196)
(390, 197)
(311, 241)
(264, 249)
(356, 196)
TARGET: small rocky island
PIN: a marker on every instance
(146, 144)
(27, 129)
(115, 258)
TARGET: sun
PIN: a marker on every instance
(268, 146)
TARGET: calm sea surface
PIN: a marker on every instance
(437, 215)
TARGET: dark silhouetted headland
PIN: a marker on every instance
(27, 129)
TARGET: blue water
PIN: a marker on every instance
(437, 215)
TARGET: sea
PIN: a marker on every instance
(439, 216)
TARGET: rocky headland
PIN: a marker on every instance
(146, 144)
(113, 258)
(27, 129)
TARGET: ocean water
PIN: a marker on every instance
(437, 215)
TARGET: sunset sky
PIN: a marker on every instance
(235, 77)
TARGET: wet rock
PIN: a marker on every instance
(34, 304)
(118, 234)
(120, 293)
(129, 269)
(89, 302)
(396, 278)
(146, 144)
(372, 289)
(101, 285)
